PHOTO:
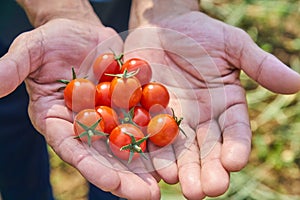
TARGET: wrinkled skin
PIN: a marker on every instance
(200, 60)
(41, 57)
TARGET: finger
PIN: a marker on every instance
(15, 64)
(133, 187)
(261, 66)
(188, 161)
(214, 177)
(164, 162)
(235, 126)
(136, 178)
(73, 152)
(137, 172)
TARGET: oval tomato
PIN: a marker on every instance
(88, 126)
(125, 92)
(102, 97)
(127, 142)
(155, 97)
(109, 116)
(106, 63)
(79, 94)
(144, 70)
(162, 129)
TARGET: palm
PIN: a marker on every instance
(199, 59)
(51, 51)
(51, 58)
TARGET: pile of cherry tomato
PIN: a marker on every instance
(124, 106)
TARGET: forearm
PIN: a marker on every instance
(41, 11)
(152, 11)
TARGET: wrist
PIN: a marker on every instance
(41, 11)
(153, 11)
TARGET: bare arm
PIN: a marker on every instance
(39, 12)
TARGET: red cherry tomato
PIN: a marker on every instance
(137, 116)
(155, 97)
(102, 97)
(128, 137)
(109, 116)
(106, 63)
(145, 73)
(79, 94)
(141, 117)
(162, 129)
(125, 92)
(88, 125)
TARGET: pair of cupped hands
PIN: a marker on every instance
(198, 58)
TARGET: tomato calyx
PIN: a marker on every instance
(178, 121)
(127, 117)
(64, 81)
(90, 131)
(118, 58)
(125, 74)
(134, 146)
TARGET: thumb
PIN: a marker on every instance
(15, 64)
(261, 66)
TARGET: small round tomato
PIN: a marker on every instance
(137, 116)
(144, 70)
(141, 116)
(162, 129)
(79, 94)
(109, 116)
(107, 63)
(88, 126)
(155, 97)
(127, 142)
(125, 92)
(102, 97)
